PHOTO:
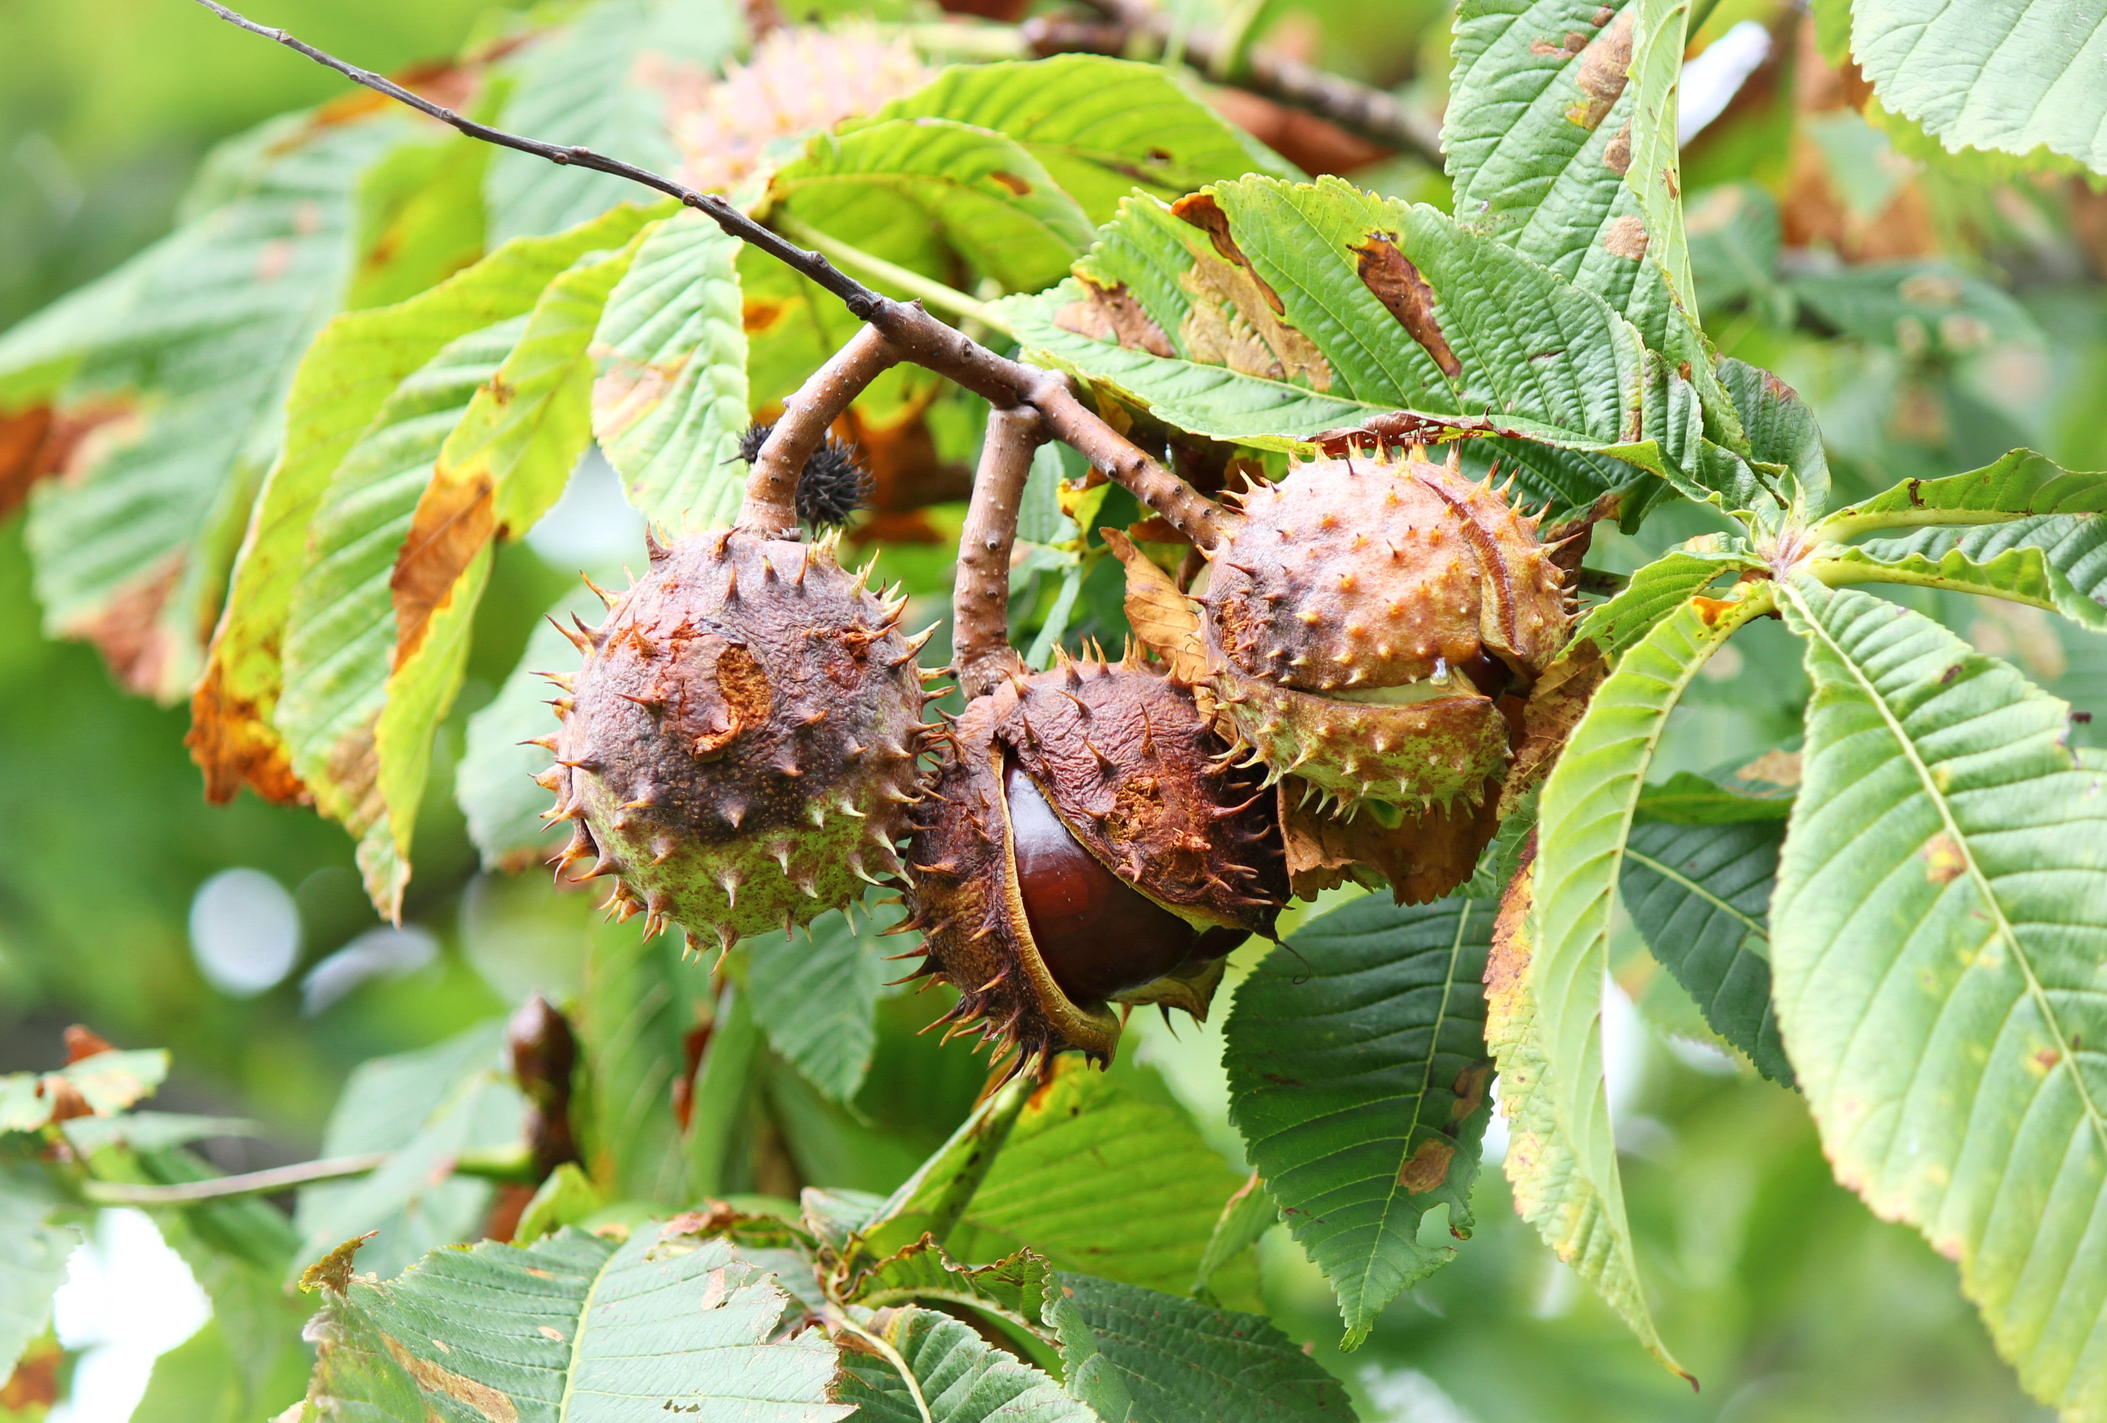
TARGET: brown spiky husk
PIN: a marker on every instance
(1353, 614)
(739, 749)
(1125, 760)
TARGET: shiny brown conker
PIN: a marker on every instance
(1087, 845)
(1098, 934)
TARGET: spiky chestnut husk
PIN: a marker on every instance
(740, 747)
(1363, 617)
(1087, 843)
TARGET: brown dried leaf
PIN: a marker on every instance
(333, 1271)
(82, 1041)
(128, 631)
(456, 516)
(1389, 274)
(1556, 703)
(234, 744)
(1231, 324)
(34, 1385)
(1164, 619)
(1112, 314)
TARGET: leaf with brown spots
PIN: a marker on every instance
(1357, 1134)
(376, 633)
(490, 1332)
(172, 408)
(384, 370)
(1939, 894)
(1112, 314)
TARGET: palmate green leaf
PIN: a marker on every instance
(1101, 127)
(2018, 484)
(427, 1107)
(474, 447)
(962, 1379)
(669, 403)
(184, 365)
(1920, 308)
(1141, 1211)
(910, 190)
(1998, 74)
(1357, 1075)
(1157, 315)
(1546, 1027)
(814, 996)
(1244, 1220)
(1700, 897)
(1687, 798)
(1656, 591)
(343, 381)
(2052, 561)
(608, 78)
(640, 998)
(1940, 920)
(1539, 134)
(340, 627)
(1660, 32)
(420, 219)
(1014, 1287)
(500, 470)
(933, 1200)
(1138, 1356)
(1782, 435)
(573, 1328)
(33, 1251)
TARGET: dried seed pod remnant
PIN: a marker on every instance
(739, 748)
(1087, 844)
(1364, 615)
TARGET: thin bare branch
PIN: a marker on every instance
(911, 333)
(222, 1188)
(980, 603)
(859, 299)
(1374, 114)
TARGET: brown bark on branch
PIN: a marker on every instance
(771, 490)
(980, 604)
(1374, 114)
(909, 332)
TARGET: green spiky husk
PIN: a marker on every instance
(1418, 755)
(739, 749)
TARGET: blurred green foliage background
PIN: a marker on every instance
(1786, 1298)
